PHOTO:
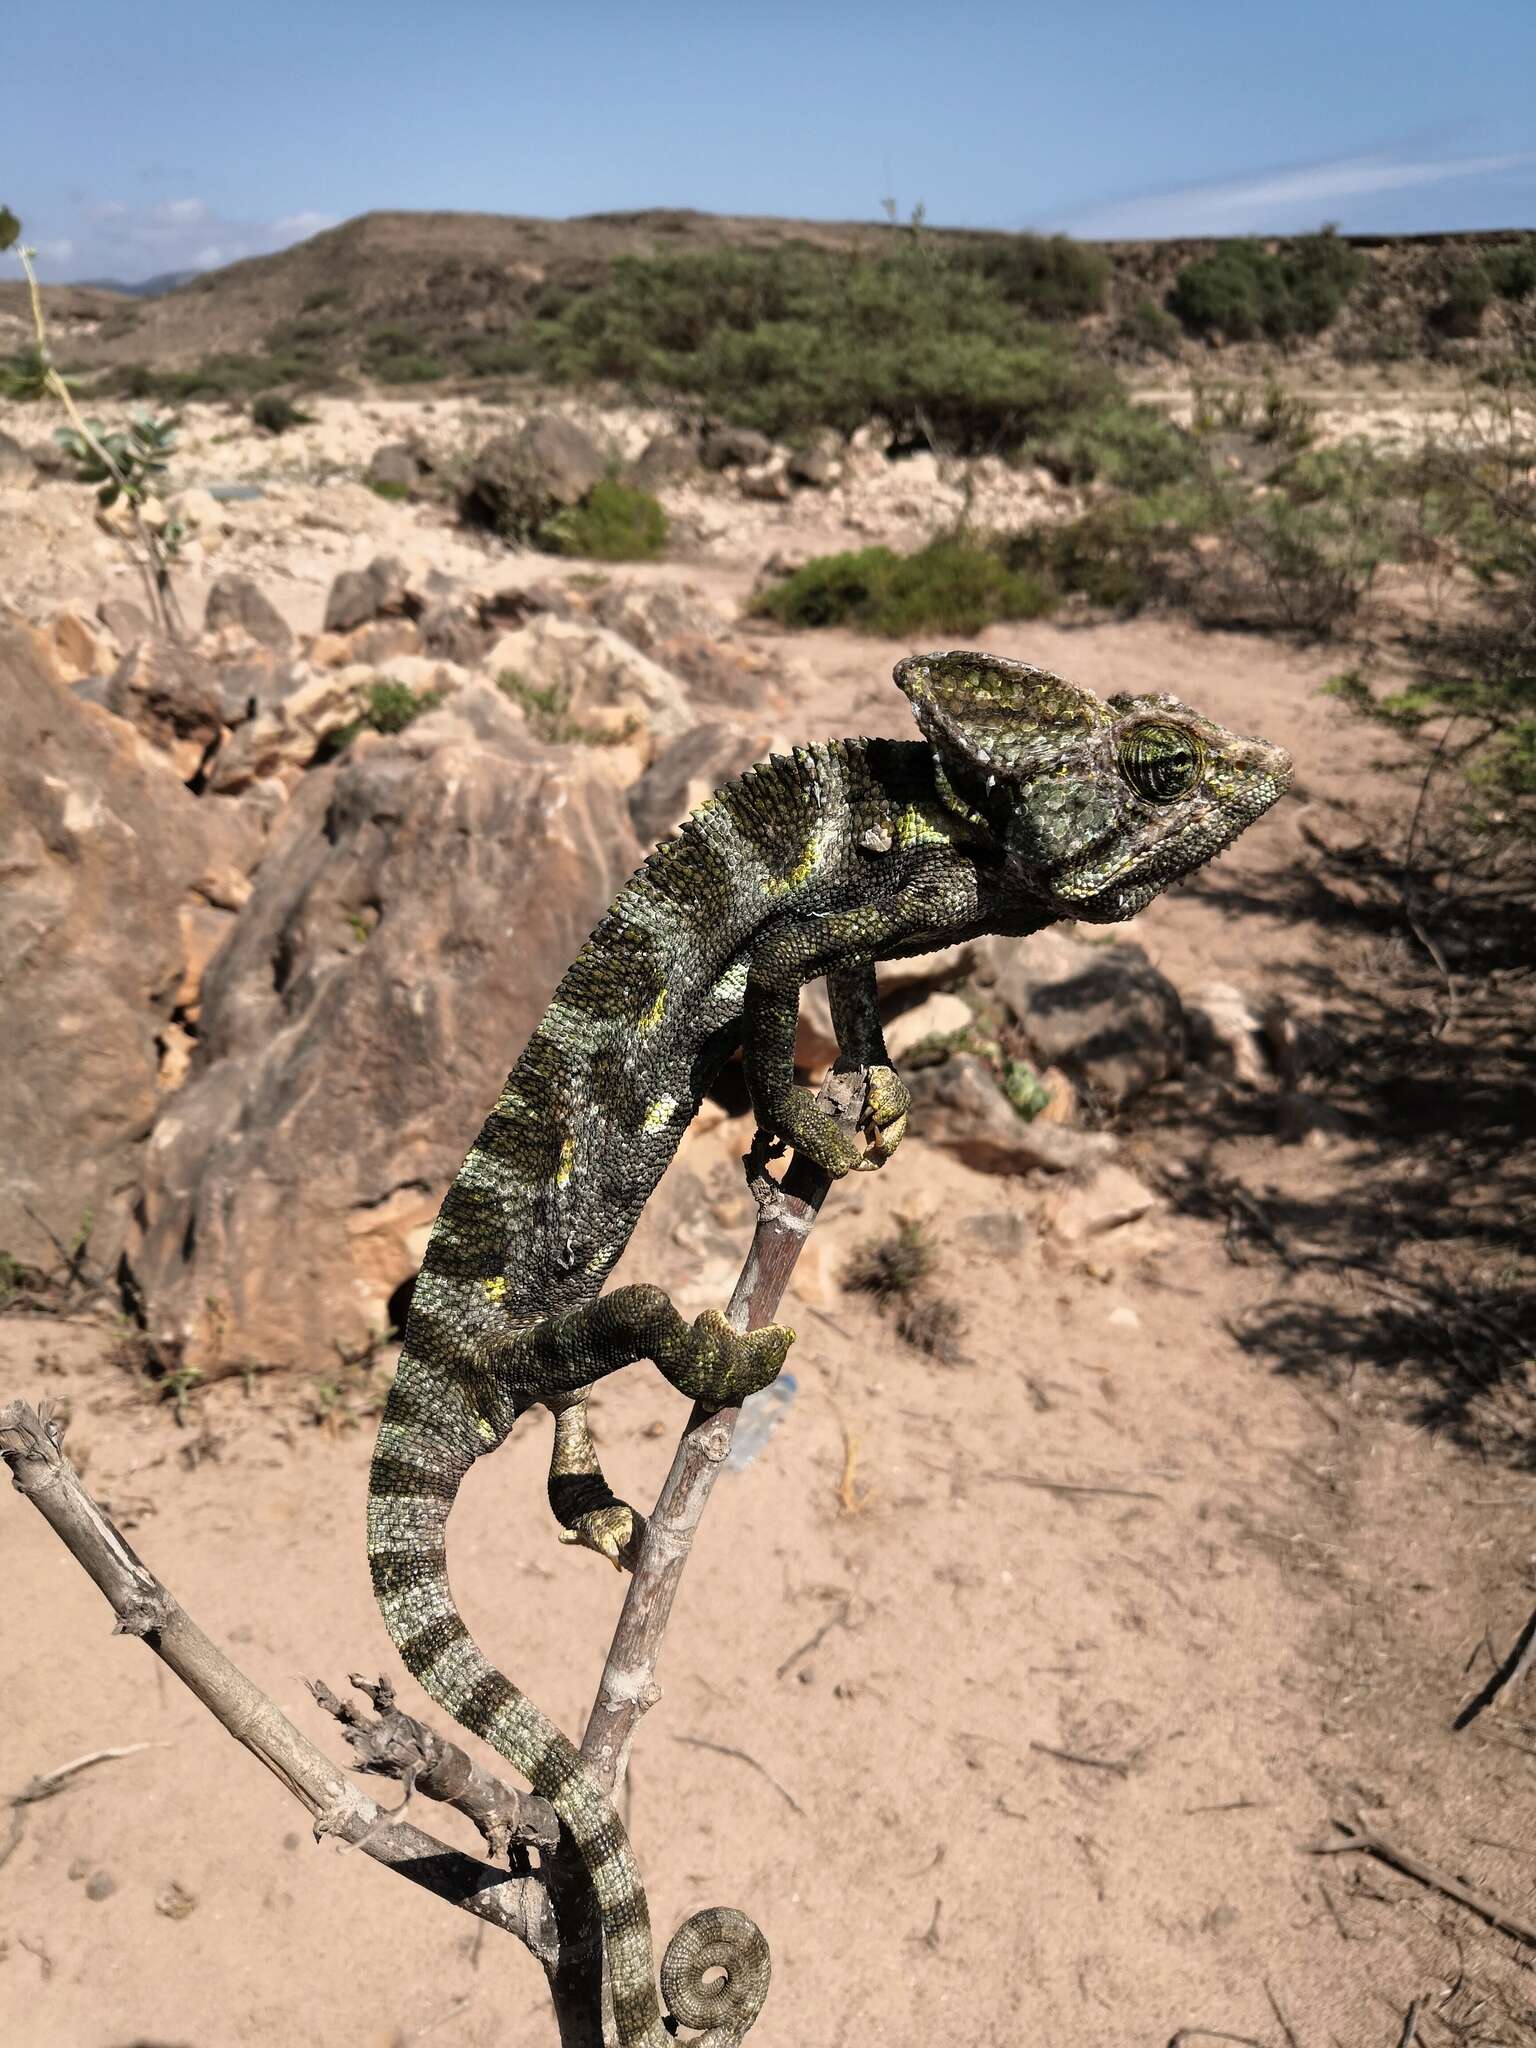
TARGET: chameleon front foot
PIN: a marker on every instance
(609, 1531)
(719, 1365)
(798, 1121)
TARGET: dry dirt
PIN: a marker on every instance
(1113, 1621)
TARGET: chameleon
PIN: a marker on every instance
(1026, 800)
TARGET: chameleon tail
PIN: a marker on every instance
(418, 1466)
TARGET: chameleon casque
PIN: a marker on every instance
(1028, 800)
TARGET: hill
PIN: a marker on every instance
(410, 296)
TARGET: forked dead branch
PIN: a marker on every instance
(549, 1906)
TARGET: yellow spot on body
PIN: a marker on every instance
(918, 825)
(659, 1114)
(655, 1013)
(803, 869)
(567, 1162)
(485, 1429)
(495, 1288)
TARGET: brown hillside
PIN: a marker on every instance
(467, 274)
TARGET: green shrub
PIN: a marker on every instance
(613, 523)
(390, 707)
(1049, 277)
(220, 376)
(275, 414)
(1511, 269)
(1149, 328)
(550, 718)
(1123, 554)
(1135, 447)
(950, 586)
(394, 493)
(1468, 295)
(1242, 290)
(793, 339)
(399, 355)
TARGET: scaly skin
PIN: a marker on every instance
(1030, 801)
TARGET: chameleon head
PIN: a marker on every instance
(1097, 805)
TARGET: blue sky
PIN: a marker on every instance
(164, 135)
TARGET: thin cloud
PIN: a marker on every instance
(1252, 204)
(130, 241)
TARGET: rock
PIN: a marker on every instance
(685, 773)
(1112, 1198)
(1225, 1034)
(815, 1045)
(416, 906)
(74, 650)
(1101, 1011)
(937, 1016)
(452, 632)
(650, 615)
(283, 739)
(99, 845)
(172, 696)
(816, 466)
(198, 510)
(666, 459)
(515, 480)
(396, 467)
(734, 448)
(236, 601)
(125, 621)
(592, 670)
(767, 480)
(18, 472)
(959, 1105)
(359, 595)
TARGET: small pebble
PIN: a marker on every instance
(101, 1885)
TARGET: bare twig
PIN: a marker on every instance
(1066, 1486)
(399, 1746)
(30, 1442)
(1510, 1672)
(726, 1749)
(1210, 2034)
(1358, 1836)
(1094, 1763)
(1410, 2032)
(838, 1620)
(787, 1210)
(48, 1783)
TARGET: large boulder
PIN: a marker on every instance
(100, 847)
(415, 909)
(1102, 1011)
(688, 771)
(515, 480)
(960, 1106)
(358, 596)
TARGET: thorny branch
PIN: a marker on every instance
(548, 1912)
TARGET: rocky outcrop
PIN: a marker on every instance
(688, 771)
(236, 601)
(960, 1106)
(360, 595)
(1103, 1012)
(101, 849)
(173, 697)
(515, 480)
(593, 676)
(415, 908)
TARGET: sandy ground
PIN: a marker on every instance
(1113, 1622)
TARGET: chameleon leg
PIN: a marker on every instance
(855, 1005)
(846, 943)
(584, 1504)
(564, 1353)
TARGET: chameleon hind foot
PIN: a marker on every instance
(713, 1363)
(884, 1122)
(608, 1530)
(815, 1136)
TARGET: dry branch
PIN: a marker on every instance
(1371, 1844)
(30, 1443)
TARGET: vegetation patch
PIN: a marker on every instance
(953, 585)
(1243, 291)
(551, 720)
(614, 522)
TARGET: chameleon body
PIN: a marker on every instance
(1027, 800)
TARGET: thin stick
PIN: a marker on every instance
(1072, 1756)
(787, 1210)
(726, 1749)
(1371, 1844)
(30, 1443)
(1410, 2032)
(1510, 1672)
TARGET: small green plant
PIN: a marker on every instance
(275, 414)
(549, 714)
(954, 585)
(389, 707)
(394, 494)
(125, 464)
(895, 1269)
(1024, 1089)
(614, 522)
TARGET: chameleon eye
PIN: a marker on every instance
(1161, 762)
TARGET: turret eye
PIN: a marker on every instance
(1161, 762)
